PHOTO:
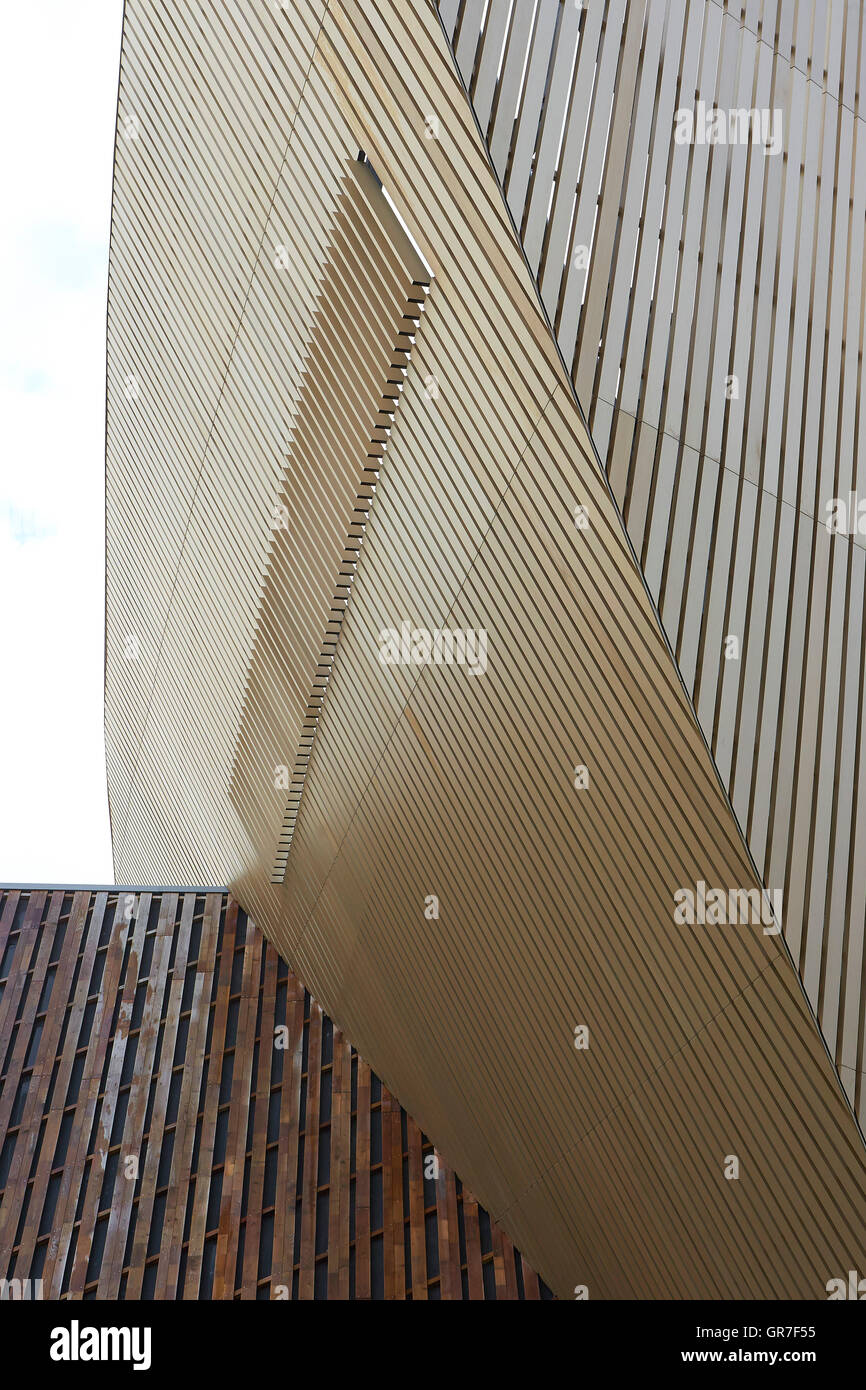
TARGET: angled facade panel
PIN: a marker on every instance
(707, 297)
(430, 730)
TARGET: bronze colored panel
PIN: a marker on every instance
(155, 1236)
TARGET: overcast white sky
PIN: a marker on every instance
(58, 93)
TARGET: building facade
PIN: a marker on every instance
(472, 410)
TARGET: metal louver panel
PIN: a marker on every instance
(709, 302)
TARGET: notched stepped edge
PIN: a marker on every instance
(387, 409)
